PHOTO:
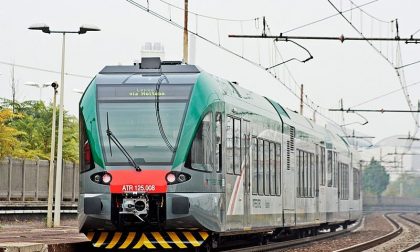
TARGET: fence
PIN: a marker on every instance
(27, 180)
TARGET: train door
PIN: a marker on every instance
(235, 174)
(245, 144)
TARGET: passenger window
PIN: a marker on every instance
(278, 169)
(266, 168)
(201, 149)
(310, 173)
(229, 144)
(306, 188)
(330, 171)
(272, 169)
(237, 146)
(300, 173)
(323, 173)
(218, 141)
(335, 169)
(317, 174)
(254, 166)
(260, 167)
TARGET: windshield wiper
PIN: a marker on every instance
(114, 139)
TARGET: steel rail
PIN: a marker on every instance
(415, 245)
(296, 242)
(375, 242)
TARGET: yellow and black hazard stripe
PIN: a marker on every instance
(148, 240)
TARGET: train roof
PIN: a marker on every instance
(151, 66)
(184, 73)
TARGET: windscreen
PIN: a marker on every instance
(130, 112)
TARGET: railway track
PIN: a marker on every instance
(33, 207)
(274, 246)
(392, 218)
(416, 244)
(380, 244)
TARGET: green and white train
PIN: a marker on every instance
(174, 157)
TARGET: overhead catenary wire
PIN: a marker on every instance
(327, 17)
(373, 17)
(44, 70)
(210, 17)
(383, 95)
(160, 16)
(400, 75)
(415, 32)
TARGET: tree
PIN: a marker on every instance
(34, 123)
(8, 135)
(375, 179)
(406, 186)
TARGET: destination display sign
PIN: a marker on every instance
(143, 92)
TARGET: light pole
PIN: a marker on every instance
(52, 156)
(46, 29)
(38, 85)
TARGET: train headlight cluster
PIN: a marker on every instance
(106, 178)
(170, 178)
(175, 177)
(101, 178)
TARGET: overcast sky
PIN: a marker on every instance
(350, 70)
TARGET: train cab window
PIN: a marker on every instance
(201, 149)
(254, 166)
(273, 175)
(260, 167)
(229, 144)
(218, 142)
(329, 168)
(266, 168)
(237, 146)
(278, 169)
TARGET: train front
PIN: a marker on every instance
(130, 122)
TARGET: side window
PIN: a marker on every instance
(201, 149)
(323, 166)
(300, 173)
(229, 144)
(218, 143)
(254, 166)
(317, 174)
(340, 183)
(335, 169)
(306, 181)
(85, 157)
(329, 166)
(356, 184)
(237, 146)
(311, 175)
(278, 169)
(260, 167)
(266, 168)
(273, 174)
